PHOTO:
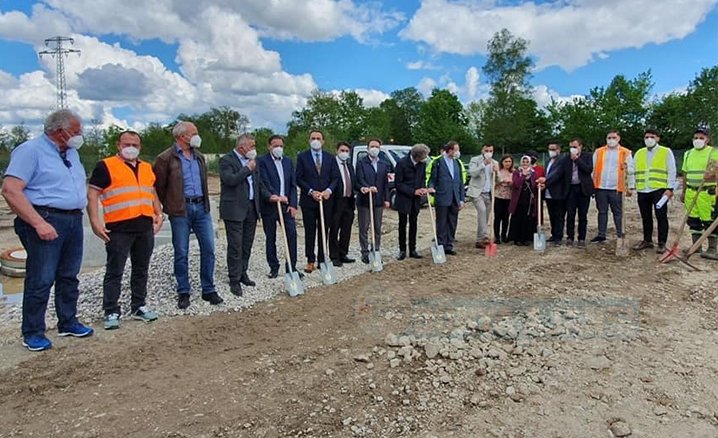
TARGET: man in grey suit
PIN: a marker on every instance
(447, 180)
(241, 189)
(482, 170)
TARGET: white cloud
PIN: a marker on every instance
(472, 82)
(421, 65)
(544, 95)
(372, 98)
(426, 85)
(568, 33)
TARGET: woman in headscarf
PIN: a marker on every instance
(523, 203)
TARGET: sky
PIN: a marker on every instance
(149, 61)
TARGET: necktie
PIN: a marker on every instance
(318, 163)
(348, 181)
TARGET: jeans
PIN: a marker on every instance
(647, 205)
(139, 247)
(604, 199)
(200, 222)
(577, 202)
(55, 261)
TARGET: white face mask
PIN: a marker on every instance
(612, 143)
(251, 154)
(195, 141)
(373, 152)
(553, 154)
(129, 153)
(649, 142)
(488, 155)
(315, 144)
(278, 152)
(574, 151)
(343, 156)
(699, 143)
(75, 142)
(457, 155)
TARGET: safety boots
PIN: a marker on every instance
(711, 253)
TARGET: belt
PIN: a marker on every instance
(197, 200)
(44, 208)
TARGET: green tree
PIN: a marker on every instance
(409, 100)
(442, 119)
(155, 139)
(261, 137)
(19, 134)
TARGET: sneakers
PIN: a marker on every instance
(581, 244)
(183, 301)
(37, 343)
(213, 298)
(112, 321)
(144, 314)
(77, 330)
(598, 239)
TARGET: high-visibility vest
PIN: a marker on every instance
(695, 163)
(655, 176)
(623, 154)
(430, 165)
(127, 196)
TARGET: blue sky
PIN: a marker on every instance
(144, 62)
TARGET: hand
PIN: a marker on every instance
(316, 195)
(326, 194)
(709, 175)
(292, 212)
(373, 189)
(668, 194)
(461, 205)
(45, 231)
(419, 192)
(487, 161)
(431, 190)
(251, 164)
(574, 157)
(683, 197)
(364, 190)
(157, 223)
(542, 186)
(274, 198)
(284, 200)
(541, 180)
(629, 193)
(387, 204)
(102, 232)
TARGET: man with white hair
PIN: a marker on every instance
(181, 184)
(45, 186)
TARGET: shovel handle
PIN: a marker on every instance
(325, 245)
(371, 218)
(287, 256)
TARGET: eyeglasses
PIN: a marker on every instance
(65, 161)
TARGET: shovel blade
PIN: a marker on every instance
(622, 247)
(294, 284)
(328, 274)
(490, 250)
(670, 254)
(375, 262)
(539, 241)
(437, 254)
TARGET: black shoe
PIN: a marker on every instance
(347, 260)
(450, 252)
(365, 259)
(274, 273)
(213, 298)
(402, 255)
(246, 281)
(415, 255)
(338, 263)
(236, 289)
(598, 239)
(183, 301)
(642, 245)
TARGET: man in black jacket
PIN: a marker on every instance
(578, 198)
(556, 184)
(340, 228)
(410, 183)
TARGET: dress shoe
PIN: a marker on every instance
(365, 259)
(338, 263)
(402, 255)
(236, 289)
(183, 301)
(310, 268)
(450, 251)
(415, 255)
(598, 239)
(246, 281)
(347, 260)
(480, 245)
(642, 245)
(661, 248)
(274, 273)
(213, 298)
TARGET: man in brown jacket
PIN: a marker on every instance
(181, 185)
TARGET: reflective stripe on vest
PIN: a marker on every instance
(128, 196)
(623, 153)
(655, 176)
(695, 163)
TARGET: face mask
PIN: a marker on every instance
(373, 152)
(129, 153)
(75, 142)
(553, 154)
(278, 152)
(699, 143)
(612, 143)
(574, 151)
(195, 141)
(488, 155)
(457, 155)
(315, 144)
(649, 142)
(251, 154)
(343, 156)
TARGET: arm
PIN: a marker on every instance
(334, 176)
(300, 176)
(476, 166)
(387, 197)
(229, 175)
(12, 191)
(402, 185)
(93, 214)
(434, 174)
(585, 166)
(160, 169)
(630, 168)
(159, 217)
(264, 193)
(517, 179)
(292, 195)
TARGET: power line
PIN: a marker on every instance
(57, 48)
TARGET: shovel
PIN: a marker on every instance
(674, 250)
(539, 236)
(622, 244)
(437, 251)
(374, 255)
(669, 256)
(326, 269)
(491, 248)
(292, 281)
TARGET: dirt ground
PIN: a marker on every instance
(643, 363)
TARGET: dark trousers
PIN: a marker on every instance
(523, 224)
(240, 237)
(446, 221)
(557, 217)
(647, 205)
(312, 223)
(411, 219)
(271, 228)
(501, 219)
(604, 200)
(340, 230)
(55, 261)
(138, 246)
(577, 202)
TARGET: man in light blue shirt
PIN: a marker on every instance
(45, 186)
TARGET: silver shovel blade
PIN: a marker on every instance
(375, 261)
(328, 274)
(294, 284)
(437, 254)
(539, 241)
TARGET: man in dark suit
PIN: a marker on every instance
(317, 177)
(447, 180)
(372, 176)
(340, 229)
(241, 189)
(578, 198)
(555, 186)
(277, 173)
(410, 183)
